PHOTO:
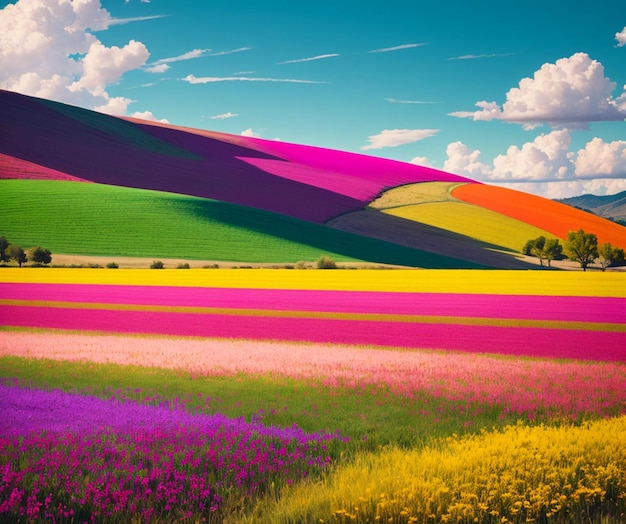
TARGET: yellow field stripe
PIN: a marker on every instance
(328, 315)
(506, 282)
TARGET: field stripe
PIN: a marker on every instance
(557, 308)
(376, 317)
(520, 341)
(505, 282)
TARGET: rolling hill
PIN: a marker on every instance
(81, 182)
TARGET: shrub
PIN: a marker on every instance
(113, 265)
(157, 264)
(182, 266)
(325, 262)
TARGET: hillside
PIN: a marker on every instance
(612, 207)
(81, 182)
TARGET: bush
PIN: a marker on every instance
(113, 265)
(182, 266)
(157, 264)
(325, 262)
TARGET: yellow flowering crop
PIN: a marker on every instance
(520, 474)
(567, 283)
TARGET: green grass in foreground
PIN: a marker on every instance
(371, 417)
(94, 219)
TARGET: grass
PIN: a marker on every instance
(371, 416)
(411, 194)
(94, 219)
(473, 221)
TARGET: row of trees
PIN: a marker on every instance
(580, 246)
(9, 252)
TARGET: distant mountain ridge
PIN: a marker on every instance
(612, 207)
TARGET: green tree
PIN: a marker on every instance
(610, 255)
(4, 244)
(40, 255)
(17, 253)
(581, 247)
(543, 249)
(552, 249)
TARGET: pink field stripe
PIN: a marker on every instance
(537, 342)
(557, 308)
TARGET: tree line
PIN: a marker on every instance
(580, 246)
(9, 252)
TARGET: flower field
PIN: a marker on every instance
(312, 396)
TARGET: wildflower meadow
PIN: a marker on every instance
(255, 396)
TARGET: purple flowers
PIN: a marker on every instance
(69, 457)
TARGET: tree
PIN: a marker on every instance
(581, 247)
(40, 255)
(325, 262)
(4, 244)
(16, 253)
(543, 249)
(552, 249)
(611, 255)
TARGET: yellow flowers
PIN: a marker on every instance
(518, 474)
(570, 283)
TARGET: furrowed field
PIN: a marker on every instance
(364, 396)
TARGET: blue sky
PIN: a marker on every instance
(531, 96)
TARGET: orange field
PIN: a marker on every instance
(552, 216)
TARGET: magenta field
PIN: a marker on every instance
(548, 326)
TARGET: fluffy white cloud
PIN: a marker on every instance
(397, 137)
(545, 158)
(599, 157)
(547, 167)
(147, 115)
(621, 38)
(48, 49)
(420, 161)
(249, 132)
(569, 93)
(465, 161)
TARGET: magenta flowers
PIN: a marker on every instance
(107, 458)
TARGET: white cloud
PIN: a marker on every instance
(465, 162)
(48, 49)
(158, 68)
(599, 157)
(420, 161)
(210, 79)
(147, 115)
(474, 57)
(396, 101)
(397, 137)
(547, 167)
(122, 21)
(621, 38)
(231, 51)
(546, 158)
(189, 55)
(223, 116)
(569, 93)
(395, 48)
(249, 132)
(318, 57)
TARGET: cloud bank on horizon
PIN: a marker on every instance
(77, 52)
